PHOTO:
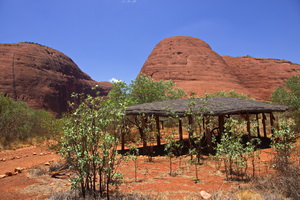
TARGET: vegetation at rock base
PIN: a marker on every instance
(144, 90)
(289, 94)
(21, 124)
(230, 93)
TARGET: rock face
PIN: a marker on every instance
(195, 67)
(43, 77)
(261, 76)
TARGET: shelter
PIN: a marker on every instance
(210, 106)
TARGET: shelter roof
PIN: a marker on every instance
(206, 106)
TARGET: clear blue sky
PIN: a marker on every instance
(113, 38)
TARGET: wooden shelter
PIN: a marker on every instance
(211, 106)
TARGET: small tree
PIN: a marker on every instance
(234, 153)
(173, 148)
(133, 154)
(289, 94)
(89, 143)
(282, 139)
(144, 90)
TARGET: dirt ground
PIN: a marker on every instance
(153, 178)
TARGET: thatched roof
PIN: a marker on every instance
(206, 106)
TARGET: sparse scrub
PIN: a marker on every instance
(38, 171)
(289, 95)
(89, 144)
(283, 139)
(234, 153)
(73, 194)
(57, 166)
(20, 124)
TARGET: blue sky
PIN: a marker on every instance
(113, 38)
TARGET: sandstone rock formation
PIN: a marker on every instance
(43, 77)
(195, 67)
(261, 76)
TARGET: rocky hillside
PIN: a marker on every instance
(43, 77)
(195, 67)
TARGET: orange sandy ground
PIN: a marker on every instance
(153, 177)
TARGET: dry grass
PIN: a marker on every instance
(38, 171)
(73, 194)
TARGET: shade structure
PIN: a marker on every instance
(214, 106)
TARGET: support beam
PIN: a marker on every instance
(157, 130)
(264, 118)
(272, 118)
(203, 124)
(180, 130)
(257, 127)
(208, 136)
(191, 121)
(143, 134)
(162, 125)
(248, 125)
(221, 124)
(123, 140)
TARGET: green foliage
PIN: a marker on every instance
(89, 143)
(144, 90)
(282, 139)
(133, 154)
(230, 93)
(289, 95)
(20, 123)
(173, 148)
(35, 43)
(232, 150)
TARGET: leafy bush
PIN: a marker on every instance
(234, 152)
(91, 136)
(230, 93)
(20, 123)
(289, 94)
(144, 90)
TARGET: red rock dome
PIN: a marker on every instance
(43, 77)
(196, 68)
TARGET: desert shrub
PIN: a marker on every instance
(18, 122)
(289, 94)
(232, 150)
(38, 171)
(285, 185)
(230, 93)
(56, 166)
(73, 194)
(89, 143)
(283, 139)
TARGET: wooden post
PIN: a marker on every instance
(123, 140)
(144, 119)
(162, 125)
(264, 124)
(203, 124)
(157, 130)
(180, 130)
(257, 121)
(190, 119)
(272, 118)
(208, 136)
(248, 124)
(221, 124)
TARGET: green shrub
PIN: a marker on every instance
(289, 95)
(18, 123)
